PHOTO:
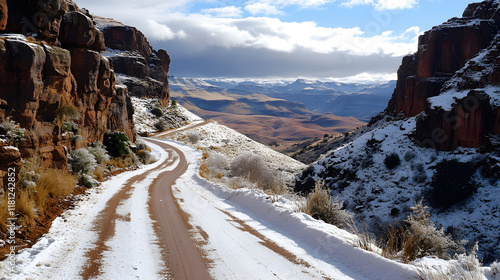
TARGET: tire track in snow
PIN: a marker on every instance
(106, 222)
(180, 250)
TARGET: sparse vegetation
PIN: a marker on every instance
(194, 138)
(418, 237)
(162, 125)
(158, 112)
(462, 267)
(36, 186)
(392, 161)
(69, 112)
(452, 183)
(320, 205)
(12, 129)
(116, 143)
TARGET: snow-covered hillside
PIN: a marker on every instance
(357, 174)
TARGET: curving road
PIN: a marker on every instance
(164, 222)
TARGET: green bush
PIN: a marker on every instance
(116, 143)
(392, 161)
(157, 112)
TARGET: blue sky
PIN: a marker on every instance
(358, 39)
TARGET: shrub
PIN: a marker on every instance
(145, 156)
(174, 103)
(248, 165)
(392, 161)
(99, 152)
(418, 238)
(409, 156)
(116, 143)
(25, 207)
(320, 205)
(451, 183)
(81, 161)
(217, 163)
(69, 112)
(13, 130)
(158, 112)
(162, 125)
(194, 138)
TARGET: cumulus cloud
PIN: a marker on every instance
(381, 5)
(229, 11)
(273, 7)
(220, 42)
(276, 35)
(262, 8)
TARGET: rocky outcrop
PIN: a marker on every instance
(145, 71)
(442, 51)
(55, 82)
(457, 64)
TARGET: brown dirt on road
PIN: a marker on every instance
(105, 225)
(183, 256)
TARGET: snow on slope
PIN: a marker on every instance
(232, 143)
(321, 250)
(357, 175)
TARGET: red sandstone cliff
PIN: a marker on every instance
(461, 55)
(56, 83)
(143, 70)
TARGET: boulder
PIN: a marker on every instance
(10, 163)
(21, 80)
(78, 31)
(127, 38)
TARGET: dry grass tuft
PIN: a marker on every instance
(25, 207)
(204, 171)
(4, 213)
(320, 205)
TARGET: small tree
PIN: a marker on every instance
(116, 143)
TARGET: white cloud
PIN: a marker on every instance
(228, 12)
(272, 7)
(395, 4)
(262, 8)
(210, 44)
(382, 4)
(276, 35)
(352, 3)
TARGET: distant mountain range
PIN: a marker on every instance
(282, 113)
(358, 100)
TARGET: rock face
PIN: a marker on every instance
(460, 55)
(57, 86)
(144, 70)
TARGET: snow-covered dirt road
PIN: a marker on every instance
(165, 222)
